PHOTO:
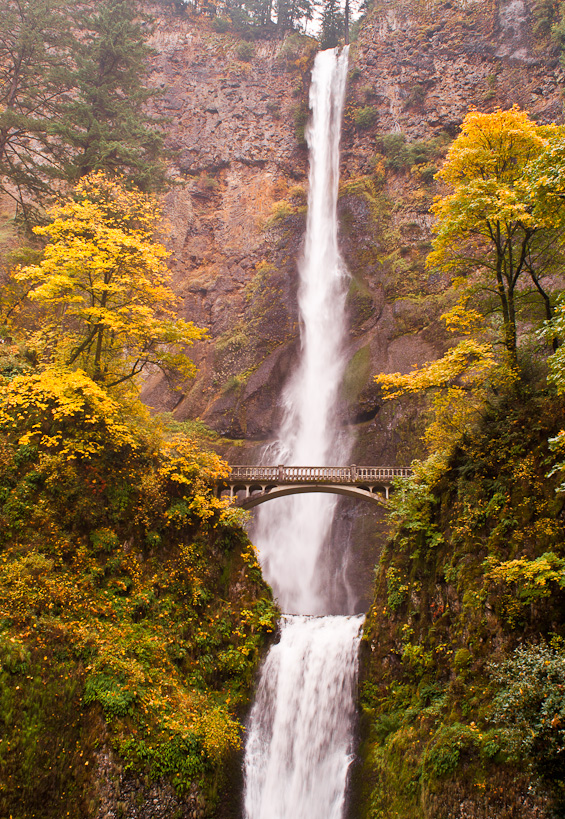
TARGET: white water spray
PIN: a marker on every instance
(299, 747)
(299, 743)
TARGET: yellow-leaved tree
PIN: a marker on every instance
(491, 228)
(104, 288)
(500, 234)
(457, 382)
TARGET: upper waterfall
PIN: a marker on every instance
(290, 534)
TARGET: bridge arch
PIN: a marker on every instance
(269, 493)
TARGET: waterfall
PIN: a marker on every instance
(291, 533)
(298, 748)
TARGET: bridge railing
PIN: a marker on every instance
(254, 473)
(379, 473)
(318, 474)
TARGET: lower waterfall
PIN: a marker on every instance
(299, 746)
(299, 740)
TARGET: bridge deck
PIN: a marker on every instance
(343, 475)
(252, 485)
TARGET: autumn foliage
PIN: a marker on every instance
(124, 579)
(104, 288)
(499, 237)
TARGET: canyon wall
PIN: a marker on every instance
(236, 213)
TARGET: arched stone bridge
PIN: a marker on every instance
(252, 485)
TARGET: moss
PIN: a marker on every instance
(364, 186)
(44, 749)
(281, 210)
(301, 114)
(357, 374)
(412, 314)
(235, 339)
(235, 383)
(359, 303)
(450, 599)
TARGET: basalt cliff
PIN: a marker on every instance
(237, 215)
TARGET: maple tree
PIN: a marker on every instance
(492, 228)
(103, 286)
(458, 381)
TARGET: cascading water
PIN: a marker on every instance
(299, 746)
(298, 749)
(290, 533)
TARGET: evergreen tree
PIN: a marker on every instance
(260, 12)
(104, 123)
(34, 54)
(72, 98)
(332, 24)
(292, 14)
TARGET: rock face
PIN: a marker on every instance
(119, 794)
(424, 70)
(416, 71)
(237, 215)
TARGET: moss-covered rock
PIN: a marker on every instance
(132, 609)
(474, 570)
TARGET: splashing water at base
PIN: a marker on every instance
(299, 747)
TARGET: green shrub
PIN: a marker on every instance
(416, 96)
(417, 658)
(448, 748)
(221, 24)
(301, 114)
(545, 15)
(387, 724)
(427, 172)
(365, 117)
(104, 540)
(401, 154)
(115, 696)
(397, 591)
(234, 382)
(281, 210)
(295, 46)
(245, 52)
(394, 148)
(529, 707)
(14, 656)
